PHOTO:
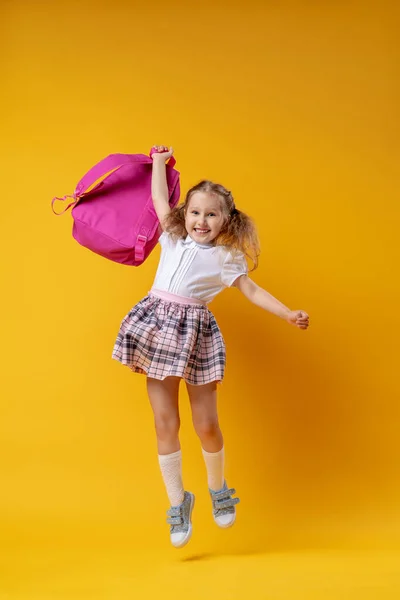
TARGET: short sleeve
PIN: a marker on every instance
(235, 265)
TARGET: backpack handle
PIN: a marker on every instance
(100, 172)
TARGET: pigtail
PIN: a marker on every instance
(174, 222)
(240, 234)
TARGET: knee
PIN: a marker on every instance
(206, 428)
(167, 426)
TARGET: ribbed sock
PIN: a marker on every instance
(215, 462)
(171, 470)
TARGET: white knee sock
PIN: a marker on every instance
(171, 470)
(215, 469)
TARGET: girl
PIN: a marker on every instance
(171, 334)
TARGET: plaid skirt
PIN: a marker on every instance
(163, 338)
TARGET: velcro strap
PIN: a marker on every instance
(174, 512)
(226, 503)
(223, 495)
(175, 521)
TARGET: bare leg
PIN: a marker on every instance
(203, 401)
(164, 401)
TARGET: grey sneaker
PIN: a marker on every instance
(180, 519)
(224, 511)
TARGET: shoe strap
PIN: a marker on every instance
(174, 511)
(223, 494)
(226, 503)
(175, 521)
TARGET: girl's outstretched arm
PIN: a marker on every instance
(265, 300)
(159, 188)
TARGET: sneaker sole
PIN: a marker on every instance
(190, 530)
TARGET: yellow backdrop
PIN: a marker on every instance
(294, 107)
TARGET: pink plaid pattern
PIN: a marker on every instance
(161, 339)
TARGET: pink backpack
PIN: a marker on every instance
(113, 210)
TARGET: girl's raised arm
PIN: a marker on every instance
(159, 188)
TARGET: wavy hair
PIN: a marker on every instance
(238, 231)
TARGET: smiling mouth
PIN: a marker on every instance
(202, 231)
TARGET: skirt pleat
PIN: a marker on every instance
(161, 339)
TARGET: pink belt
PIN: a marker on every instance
(175, 298)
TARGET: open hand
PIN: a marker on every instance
(299, 318)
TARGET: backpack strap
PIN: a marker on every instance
(100, 172)
(141, 242)
(109, 165)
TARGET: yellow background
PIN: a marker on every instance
(293, 106)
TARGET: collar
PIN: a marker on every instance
(188, 242)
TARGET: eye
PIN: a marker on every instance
(195, 212)
(211, 214)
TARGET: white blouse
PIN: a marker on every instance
(194, 270)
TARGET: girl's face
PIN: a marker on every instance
(204, 217)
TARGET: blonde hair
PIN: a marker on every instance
(238, 231)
